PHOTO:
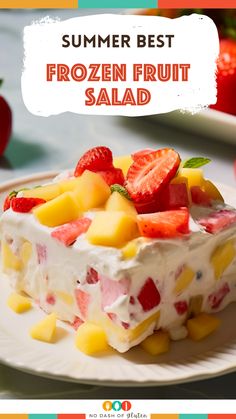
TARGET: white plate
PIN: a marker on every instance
(209, 123)
(187, 361)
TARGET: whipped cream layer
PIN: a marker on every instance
(165, 283)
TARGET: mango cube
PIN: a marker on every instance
(157, 344)
(69, 184)
(138, 330)
(184, 280)
(129, 251)
(92, 191)
(60, 210)
(112, 229)
(65, 297)
(18, 303)
(201, 326)
(212, 190)
(9, 259)
(194, 176)
(26, 252)
(45, 330)
(46, 192)
(222, 258)
(91, 339)
(123, 163)
(118, 202)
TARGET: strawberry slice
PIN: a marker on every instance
(217, 221)
(181, 307)
(166, 224)
(141, 153)
(113, 176)
(83, 300)
(25, 204)
(68, 233)
(199, 197)
(150, 172)
(95, 159)
(217, 297)
(149, 296)
(112, 290)
(174, 196)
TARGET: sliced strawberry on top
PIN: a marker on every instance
(8, 199)
(150, 172)
(217, 221)
(141, 153)
(149, 296)
(95, 159)
(25, 204)
(174, 196)
(166, 224)
(68, 233)
(199, 197)
(113, 176)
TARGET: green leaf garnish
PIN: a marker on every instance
(195, 162)
(118, 188)
(12, 194)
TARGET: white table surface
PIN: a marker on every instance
(40, 144)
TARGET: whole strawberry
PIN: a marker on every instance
(226, 77)
(5, 123)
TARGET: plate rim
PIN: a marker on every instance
(187, 376)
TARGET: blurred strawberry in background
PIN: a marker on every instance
(5, 123)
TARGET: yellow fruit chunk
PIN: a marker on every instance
(184, 280)
(92, 191)
(26, 252)
(46, 192)
(123, 163)
(65, 297)
(60, 210)
(194, 176)
(195, 305)
(90, 339)
(129, 251)
(222, 258)
(134, 334)
(201, 326)
(45, 330)
(9, 259)
(157, 344)
(212, 190)
(18, 303)
(118, 202)
(69, 184)
(112, 229)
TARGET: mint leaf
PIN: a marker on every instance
(195, 162)
(12, 194)
(118, 188)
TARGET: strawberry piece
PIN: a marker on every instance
(181, 307)
(68, 233)
(92, 276)
(5, 125)
(25, 204)
(112, 290)
(83, 300)
(174, 196)
(113, 176)
(166, 224)
(141, 153)
(199, 197)
(149, 296)
(149, 173)
(217, 221)
(226, 77)
(95, 159)
(41, 253)
(50, 299)
(148, 208)
(7, 202)
(217, 297)
(77, 322)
